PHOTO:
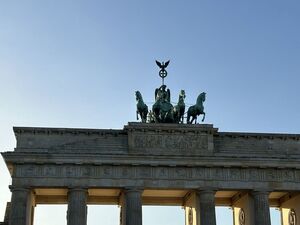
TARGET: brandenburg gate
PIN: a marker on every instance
(193, 166)
(159, 161)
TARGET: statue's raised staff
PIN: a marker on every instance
(141, 107)
(197, 109)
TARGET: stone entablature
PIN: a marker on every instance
(179, 164)
(155, 177)
(158, 139)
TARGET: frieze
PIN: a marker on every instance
(169, 144)
(157, 172)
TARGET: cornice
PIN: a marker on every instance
(143, 127)
(170, 128)
(62, 131)
(13, 158)
(247, 135)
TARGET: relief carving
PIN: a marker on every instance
(180, 173)
(162, 173)
(171, 143)
(125, 172)
(49, 171)
(289, 175)
(107, 171)
(70, 171)
(198, 173)
(144, 172)
(235, 174)
(159, 173)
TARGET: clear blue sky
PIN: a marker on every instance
(78, 63)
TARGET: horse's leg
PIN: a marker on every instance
(145, 116)
(142, 117)
(188, 119)
(192, 120)
(203, 116)
(137, 115)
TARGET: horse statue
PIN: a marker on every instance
(179, 108)
(141, 107)
(196, 110)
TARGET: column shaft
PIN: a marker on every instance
(21, 207)
(206, 207)
(77, 208)
(261, 208)
(132, 207)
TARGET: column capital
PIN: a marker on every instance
(19, 188)
(133, 189)
(84, 189)
(260, 192)
(206, 190)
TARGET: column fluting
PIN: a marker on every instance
(21, 206)
(206, 207)
(133, 207)
(77, 208)
(261, 207)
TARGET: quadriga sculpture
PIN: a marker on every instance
(141, 107)
(197, 109)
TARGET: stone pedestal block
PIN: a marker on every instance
(77, 208)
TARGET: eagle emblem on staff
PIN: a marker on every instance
(162, 65)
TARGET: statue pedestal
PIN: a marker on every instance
(170, 139)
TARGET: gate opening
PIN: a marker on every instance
(275, 216)
(224, 215)
(163, 215)
(50, 214)
(103, 214)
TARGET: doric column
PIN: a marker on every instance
(77, 208)
(206, 207)
(261, 208)
(22, 206)
(132, 207)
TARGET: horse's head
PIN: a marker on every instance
(201, 97)
(138, 96)
(182, 94)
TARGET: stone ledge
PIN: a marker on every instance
(258, 135)
(170, 128)
(61, 131)
(91, 159)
